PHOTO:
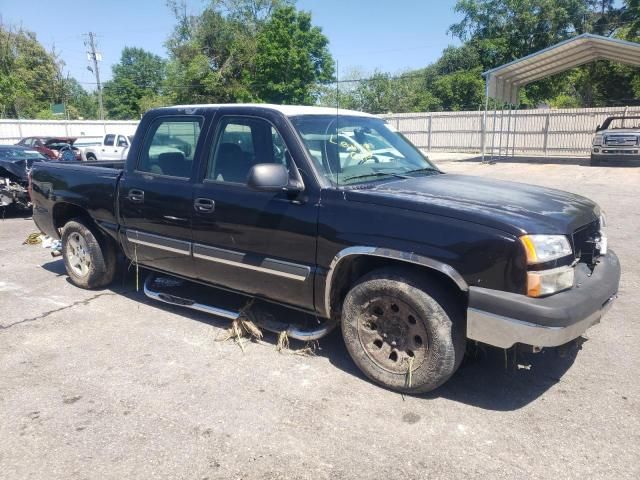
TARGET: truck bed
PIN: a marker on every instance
(90, 186)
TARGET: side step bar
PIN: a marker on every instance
(305, 335)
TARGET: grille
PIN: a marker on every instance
(584, 242)
(621, 140)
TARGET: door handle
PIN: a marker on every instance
(136, 196)
(204, 205)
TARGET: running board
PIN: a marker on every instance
(305, 335)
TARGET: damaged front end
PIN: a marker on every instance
(13, 192)
(14, 184)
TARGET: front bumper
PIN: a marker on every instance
(503, 319)
(615, 153)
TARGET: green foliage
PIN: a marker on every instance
(139, 74)
(505, 30)
(27, 74)
(291, 56)
(213, 56)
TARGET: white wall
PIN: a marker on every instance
(13, 130)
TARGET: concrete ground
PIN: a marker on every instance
(104, 384)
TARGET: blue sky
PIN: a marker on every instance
(390, 35)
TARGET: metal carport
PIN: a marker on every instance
(502, 84)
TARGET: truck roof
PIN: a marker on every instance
(288, 110)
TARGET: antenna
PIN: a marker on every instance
(338, 166)
(95, 57)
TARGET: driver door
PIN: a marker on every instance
(260, 243)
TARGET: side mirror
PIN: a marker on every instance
(271, 177)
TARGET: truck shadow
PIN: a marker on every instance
(489, 378)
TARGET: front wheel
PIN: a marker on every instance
(90, 259)
(594, 162)
(404, 333)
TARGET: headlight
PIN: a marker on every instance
(546, 282)
(597, 140)
(601, 243)
(544, 248)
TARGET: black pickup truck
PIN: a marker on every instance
(336, 214)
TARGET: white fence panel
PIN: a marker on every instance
(524, 132)
(11, 131)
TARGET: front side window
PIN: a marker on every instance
(348, 150)
(243, 143)
(170, 146)
(122, 142)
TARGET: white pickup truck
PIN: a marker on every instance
(111, 147)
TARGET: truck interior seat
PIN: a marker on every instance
(231, 165)
(174, 164)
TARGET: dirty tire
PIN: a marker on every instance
(418, 318)
(98, 253)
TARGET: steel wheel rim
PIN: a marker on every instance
(78, 254)
(392, 334)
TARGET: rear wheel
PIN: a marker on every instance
(403, 332)
(91, 157)
(90, 259)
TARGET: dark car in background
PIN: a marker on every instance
(54, 148)
(15, 163)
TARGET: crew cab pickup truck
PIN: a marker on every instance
(113, 146)
(411, 262)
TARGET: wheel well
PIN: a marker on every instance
(352, 268)
(63, 212)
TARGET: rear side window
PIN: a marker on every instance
(109, 140)
(170, 146)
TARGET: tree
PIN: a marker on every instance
(291, 56)
(139, 74)
(28, 74)
(505, 30)
(212, 55)
(461, 90)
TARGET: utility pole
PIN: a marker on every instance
(95, 57)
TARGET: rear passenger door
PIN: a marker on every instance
(155, 194)
(261, 243)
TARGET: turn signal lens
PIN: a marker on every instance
(544, 248)
(546, 282)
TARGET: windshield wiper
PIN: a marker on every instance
(376, 174)
(423, 170)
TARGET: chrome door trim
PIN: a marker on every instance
(271, 266)
(407, 257)
(156, 241)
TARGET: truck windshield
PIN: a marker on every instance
(349, 149)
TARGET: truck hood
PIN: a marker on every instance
(17, 167)
(621, 131)
(516, 208)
